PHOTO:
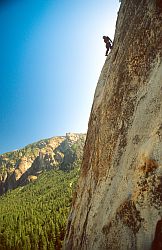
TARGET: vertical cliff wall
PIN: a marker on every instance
(118, 202)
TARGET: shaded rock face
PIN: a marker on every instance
(157, 243)
(22, 166)
(118, 202)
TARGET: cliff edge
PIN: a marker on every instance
(118, 203)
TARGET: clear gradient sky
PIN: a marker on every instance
(51, 55)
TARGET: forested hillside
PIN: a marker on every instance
(36, 186)
(34, 216)
(20, 167)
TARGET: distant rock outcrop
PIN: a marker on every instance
(22, 166)
(118, 203)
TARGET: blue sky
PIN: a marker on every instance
(51, 55)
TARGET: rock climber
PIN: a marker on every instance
(108, 42)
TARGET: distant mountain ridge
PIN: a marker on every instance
(20, 167)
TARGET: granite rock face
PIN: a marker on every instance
(23, 166)
(118, 203)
